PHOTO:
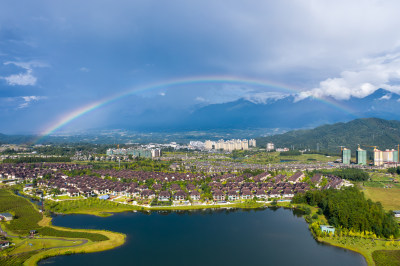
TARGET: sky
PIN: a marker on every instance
(59, 56)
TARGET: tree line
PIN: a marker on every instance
(352, 174)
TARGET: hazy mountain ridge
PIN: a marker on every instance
(288, 113)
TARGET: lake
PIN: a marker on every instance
(207, 237)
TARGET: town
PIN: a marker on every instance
(224, 174)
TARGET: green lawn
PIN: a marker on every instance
(16, 259)
(309, 158)
(27, 245)
(386, 257)
(389, 197)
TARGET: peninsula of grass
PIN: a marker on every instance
(113, 240)
(52, 240)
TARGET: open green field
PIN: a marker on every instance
(389, 197)
(13, 260)
(27, 245)
(386, 257)
(274, 157)
(307, 158)
(381, 179)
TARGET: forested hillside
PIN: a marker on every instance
(329, 138)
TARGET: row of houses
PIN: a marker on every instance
(221, 187)
(29, 172)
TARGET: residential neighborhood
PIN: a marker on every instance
(142, 187)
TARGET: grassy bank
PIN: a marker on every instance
(367, 248)
(53, 240)
(92, 206)
(103, 208)
(113, 240)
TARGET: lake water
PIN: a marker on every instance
(218, 237)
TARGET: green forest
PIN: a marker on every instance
(348, 209)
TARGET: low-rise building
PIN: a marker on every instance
(164, 196)
(327, 229)
(4, 244)
(6, 216)
(195, 195)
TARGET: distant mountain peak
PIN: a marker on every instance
(380, 94)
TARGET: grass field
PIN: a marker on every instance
(16, 259)
(389, 197)
(27, 245)
(273, 157)
(309, 158)
(386, 257)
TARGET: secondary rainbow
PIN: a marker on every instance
(69, 117)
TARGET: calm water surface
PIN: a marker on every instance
(219, 237)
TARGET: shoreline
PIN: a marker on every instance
(368, 261)
(134, 208)
(237, 206)
(115, 239)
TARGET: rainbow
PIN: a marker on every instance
(69, 117)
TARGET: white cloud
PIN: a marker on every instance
(27, 100)
(23, 79)
(265, 97)
(386, 97)
(162, 94)
(370, 74)
(200, 99)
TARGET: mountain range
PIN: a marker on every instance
(284, 113)
(292, 114)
